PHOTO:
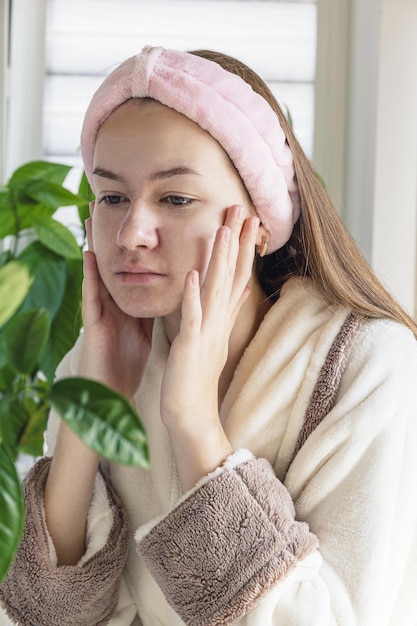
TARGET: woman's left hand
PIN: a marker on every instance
(198, 354)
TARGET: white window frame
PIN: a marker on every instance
(4, 60)
(22, 73)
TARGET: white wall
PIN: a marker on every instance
(366, 129)
(394, 225)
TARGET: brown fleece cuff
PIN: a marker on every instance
(226, 545)
(37, 592)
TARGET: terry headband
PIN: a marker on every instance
(225, 106)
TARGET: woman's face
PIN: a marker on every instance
(162, 189)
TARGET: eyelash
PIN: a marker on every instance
(114, 200)
(184, 201)
(108, 200)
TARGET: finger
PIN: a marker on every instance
(191, 312)
(90, 289)
(235, 218)
(240, 291)
(246, 254)
(243, 238)
(93, 290)
(89, 232)
(231, 265)
(231, 262)
(216, 287)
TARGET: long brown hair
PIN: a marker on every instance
(320, 246)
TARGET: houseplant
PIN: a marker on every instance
(40, 303)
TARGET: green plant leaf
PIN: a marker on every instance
(26, 210)
(15, 282)
(8, 224)
(35, 170)
(24, 339)
(31, 440)
(56, 237)
(104, 419)
(7, 375)
(11, 511)
(66, 324)
(51, 194)
(5, 257)
(50, 274)
(13, 420)
(85, 191)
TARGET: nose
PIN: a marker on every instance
(138, 228)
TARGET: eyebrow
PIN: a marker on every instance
(161, 175)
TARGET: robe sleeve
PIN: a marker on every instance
(227, 542)
(37, 591)
(334, 544)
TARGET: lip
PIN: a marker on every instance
(137, 275)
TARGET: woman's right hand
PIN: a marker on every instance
(114, 351)
(115, 346)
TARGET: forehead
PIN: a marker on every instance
(143, 116)
(157, 130)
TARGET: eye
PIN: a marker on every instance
(113, 200)
(177, 200)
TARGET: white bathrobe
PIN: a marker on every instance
(354, 482)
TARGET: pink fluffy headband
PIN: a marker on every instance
(224, 105)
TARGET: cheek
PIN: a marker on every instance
(203, 232)
(103, 233)
(196, 248)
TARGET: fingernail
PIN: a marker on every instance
(239, 214)
(226, 235)
(255, 224)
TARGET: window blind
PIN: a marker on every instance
(86, 39)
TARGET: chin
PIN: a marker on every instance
(144, 308)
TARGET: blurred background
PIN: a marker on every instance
(346, 71)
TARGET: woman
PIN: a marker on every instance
(274, 375)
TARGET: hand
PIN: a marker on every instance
(114, 350)
(190, 387)
(116, 346)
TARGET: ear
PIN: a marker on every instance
(262, 239)
(262, 235)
